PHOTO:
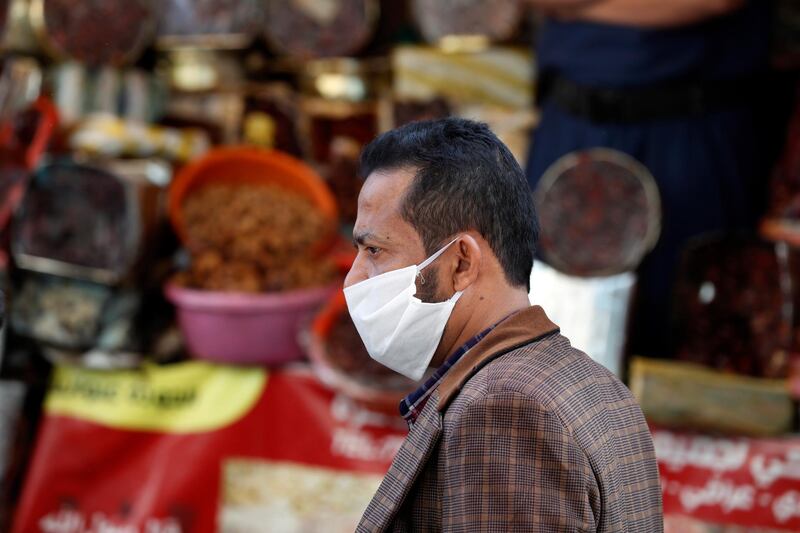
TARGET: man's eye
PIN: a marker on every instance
(372, 250)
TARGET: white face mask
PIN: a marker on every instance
(399, 330)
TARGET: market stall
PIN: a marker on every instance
(178, 181)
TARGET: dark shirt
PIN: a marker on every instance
(728, 47)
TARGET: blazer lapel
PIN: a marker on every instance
(406, 467)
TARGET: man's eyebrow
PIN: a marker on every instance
(360, 238)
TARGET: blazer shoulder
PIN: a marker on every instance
(598, 415)
(554, 374)
(542, 369)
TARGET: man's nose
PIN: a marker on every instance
(356, 274)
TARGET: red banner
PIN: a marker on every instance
(200, 448)
(746, 482)
(299, 458)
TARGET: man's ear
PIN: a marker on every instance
(469, 262)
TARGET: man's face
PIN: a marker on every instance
(385, 241)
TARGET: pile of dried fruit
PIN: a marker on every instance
(251, 238)
(737, 306)
(97, 32)
(597, 217)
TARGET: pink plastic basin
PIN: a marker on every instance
(259, 329)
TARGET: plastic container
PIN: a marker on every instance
(600, 211)
(258, 329)
(95, 32)
(55, 226)
(216, 24)
(305, 30)
(250, 166)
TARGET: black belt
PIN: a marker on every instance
(646, 103)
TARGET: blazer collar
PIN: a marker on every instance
(521, 328)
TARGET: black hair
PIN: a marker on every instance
(466, 179)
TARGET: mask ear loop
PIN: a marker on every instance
(431, 259)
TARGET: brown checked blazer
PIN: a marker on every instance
(525, 433)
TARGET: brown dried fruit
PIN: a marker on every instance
(251, 238)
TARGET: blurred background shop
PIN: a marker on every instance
(178, 182)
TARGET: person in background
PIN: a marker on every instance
(676, 85)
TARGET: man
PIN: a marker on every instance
(516, 430)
